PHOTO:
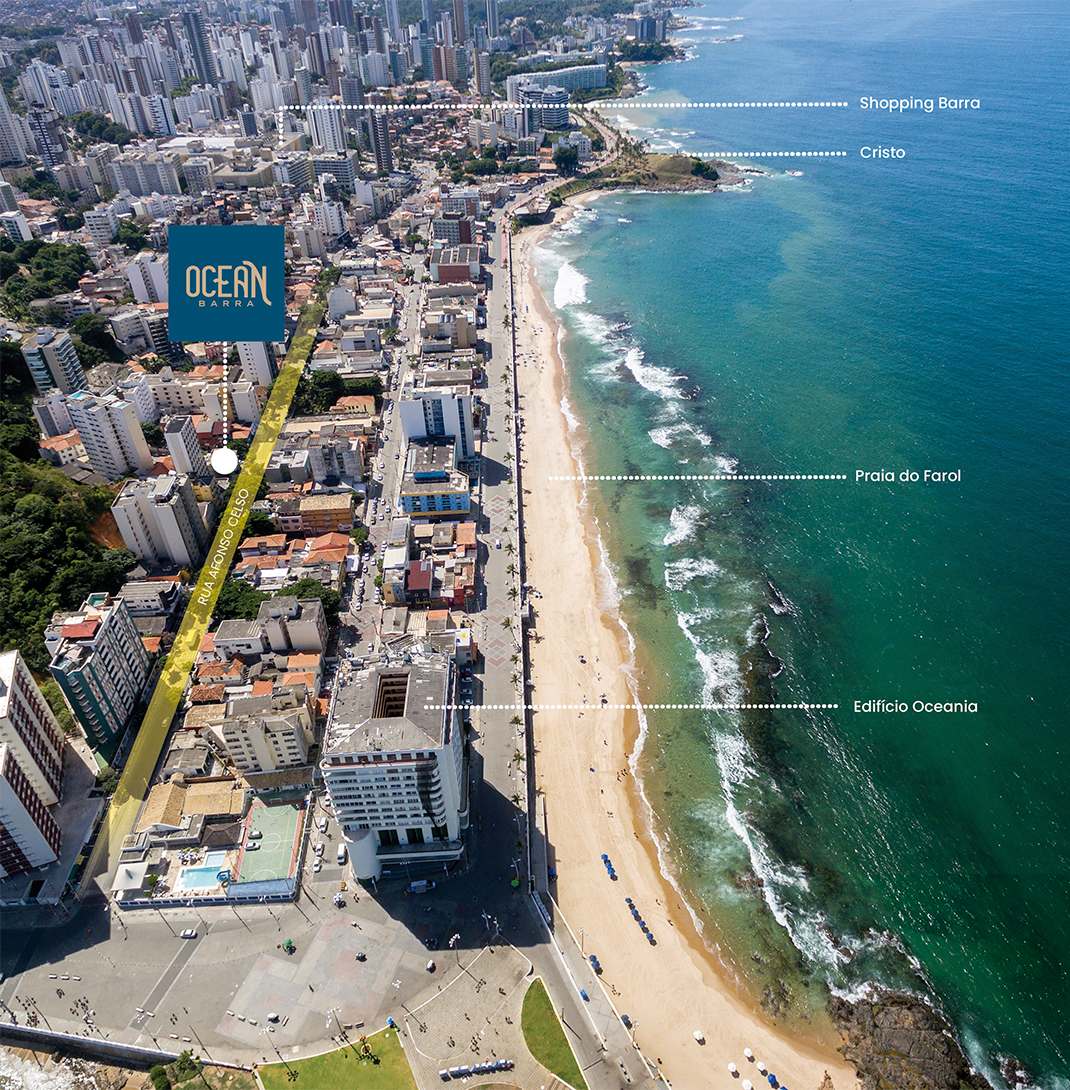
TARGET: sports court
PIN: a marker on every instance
(276, 856)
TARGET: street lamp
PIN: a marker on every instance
(582, 936)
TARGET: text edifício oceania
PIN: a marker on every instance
(919, 706)
(926, 105)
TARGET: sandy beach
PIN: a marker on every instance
(675, 988)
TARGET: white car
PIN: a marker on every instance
(317, 865)
(318, 849)
(498, 543)
(189, 933)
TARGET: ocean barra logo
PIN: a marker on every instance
(226, 283)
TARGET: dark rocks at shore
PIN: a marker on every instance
(897, 1042)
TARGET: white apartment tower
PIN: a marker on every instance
(265, 733)
(147, 275)
(29, 729)
(181, 438)
(438, 412)
(160, 521)
(257, 362)
(110, 430)
(395, 767)
(29, 835)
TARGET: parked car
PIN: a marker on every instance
(189, 933)
(252, 847)
(256, 834)
(318, 849)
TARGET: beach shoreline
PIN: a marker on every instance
(586, 759)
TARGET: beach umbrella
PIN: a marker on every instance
(747, 1052)
(700, 1036)
(772, 1079)
(604, 856)
(760, 1066)
(747, 1085)
(733, 1070)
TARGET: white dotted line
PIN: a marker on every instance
(226, 396)
(638, 103)
(708, 477)
(764, 154)
(644, 102)
(621, 707)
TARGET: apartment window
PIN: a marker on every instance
(414, 836)
(388, 837)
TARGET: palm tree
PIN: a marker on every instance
(511, 569)
(507, 622)
(514, 658)
(513, 593)
(514, 798)
(516, 720)
(510, 548)
(514, 678)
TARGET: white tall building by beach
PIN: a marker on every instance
(438, 411)
(29, 728)
(110, 429)
(29, 835)
(395, 767)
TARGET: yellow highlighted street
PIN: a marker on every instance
(134, 784)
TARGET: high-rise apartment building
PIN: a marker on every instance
(257, 360)
(492, 18)
(264, 733)
(53, 361)
(380, 134)
(29, 835)
(183, 446)
(393, 22)
(12, 151)
(110, 429)
(147, 274)
(160, 520)
(29, 729)
(395, 767)
(439, 412)
(102, 225)
(483, 84)
(100, 663)
(203, 60)
(325, 126)
(462, 26)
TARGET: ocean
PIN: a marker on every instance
(877, 316)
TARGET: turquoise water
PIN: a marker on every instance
(882, 317)
(204, 876)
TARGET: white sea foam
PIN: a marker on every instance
(658, 380)
(621, 219)
(667, 435)
(680, 572)
(570, 288)
(682, 523)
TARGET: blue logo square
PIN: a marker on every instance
(226, 283)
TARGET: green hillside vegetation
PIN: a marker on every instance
(48, 561)
(41, 270)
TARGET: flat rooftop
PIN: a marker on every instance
(391, 706)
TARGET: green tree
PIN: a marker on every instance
(566, 159)
(94, 329)
(259, 525)
(312, 588)
(238, 601)
(132, 236)
(359, 534)
(153, 434)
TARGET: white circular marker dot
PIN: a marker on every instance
(224, 461)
